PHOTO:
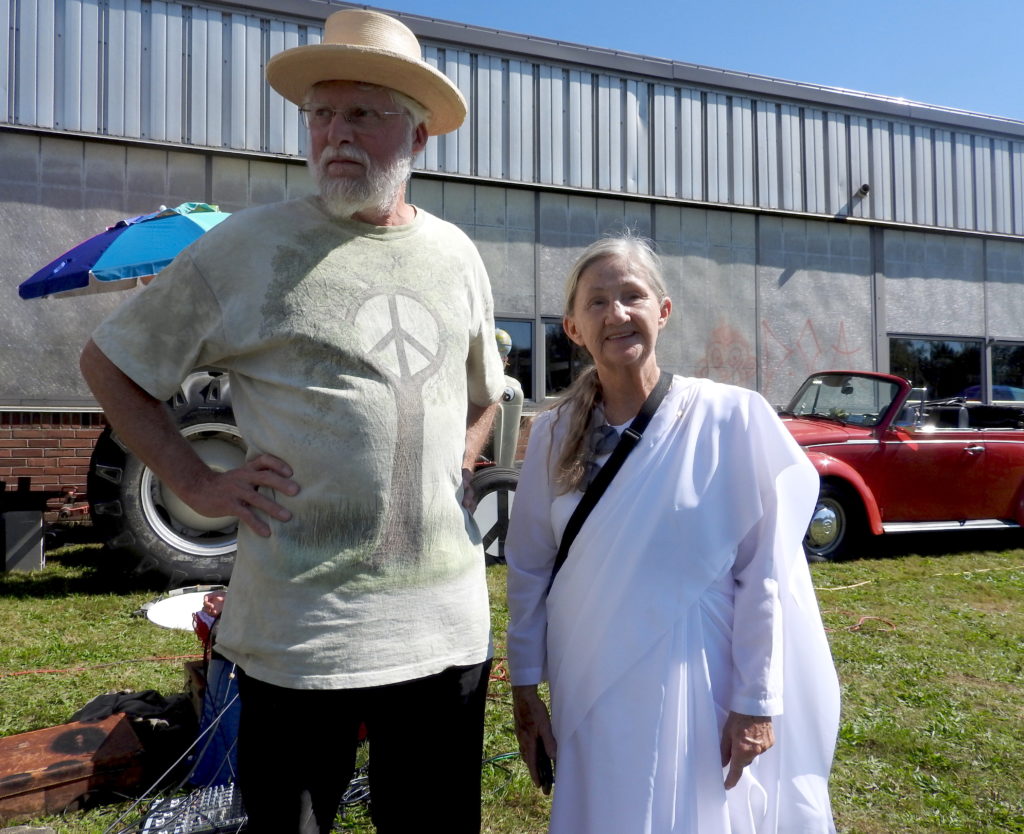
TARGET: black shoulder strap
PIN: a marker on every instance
(630, 437)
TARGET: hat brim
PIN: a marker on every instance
(293, 72)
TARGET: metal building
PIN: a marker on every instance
(801, 227)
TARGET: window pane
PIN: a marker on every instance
(1007, 373)
(520, 359)
(563, 359)
(946, 368)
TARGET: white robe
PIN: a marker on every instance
(685, 595)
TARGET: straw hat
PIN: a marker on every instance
(362, 45)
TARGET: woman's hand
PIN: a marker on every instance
(744, 738)
(532, 723)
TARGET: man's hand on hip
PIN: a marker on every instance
(237, 492)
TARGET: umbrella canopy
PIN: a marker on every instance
(131, 250)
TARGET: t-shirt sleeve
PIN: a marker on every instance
(165, 331)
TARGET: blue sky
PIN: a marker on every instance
(967, 54)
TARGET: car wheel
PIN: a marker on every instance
(134, 512)
(835, 525)
(494, 487)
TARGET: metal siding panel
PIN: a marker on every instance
(718, 147)
(499, 117)
(218, 73)
(963, 171)
(254, 60)
(458, 144)
(881, 170)
(636, 137)
(983, 183)
(155, 91)
(860, 164)
(68, 45)
(903, 173)
(235, 62)
(924, 174)
(1017, 178)
(814, 161)
(464, 135)
(586, 130)
(610, 133)
(480, 112)
(9, 41)
(199, 65)
(173, 100)
(37, 88)
(944, 180)
(767, 155)
(581, 130)
(546, 127)
(691, 145)
(791, 180)
(520, 115)
(132, 79)
(742, 137)
(1002, 187)
(89, 80)
(665, 150)
(839, 192)
(276, 112)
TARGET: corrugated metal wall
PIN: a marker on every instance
(192, 74)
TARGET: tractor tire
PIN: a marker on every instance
(494, 487)
(135, 513)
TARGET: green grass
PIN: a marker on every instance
(929, 648)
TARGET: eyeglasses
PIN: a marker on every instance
(360, 118)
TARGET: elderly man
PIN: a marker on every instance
(359, 335)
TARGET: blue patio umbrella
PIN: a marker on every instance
(129, 251)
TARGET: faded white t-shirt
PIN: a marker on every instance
(353, 351)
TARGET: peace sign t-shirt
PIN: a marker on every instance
(353, 351)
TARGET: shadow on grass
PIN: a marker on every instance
(939, 543)
(86, 568)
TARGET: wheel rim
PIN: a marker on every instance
(827, 527)
(220, 446)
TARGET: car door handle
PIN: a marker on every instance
(974, 448)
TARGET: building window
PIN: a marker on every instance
(563, 359)
(946, 367)
(520, 359)
(1007, 372)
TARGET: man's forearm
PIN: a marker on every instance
(479, 420)
(142, 422)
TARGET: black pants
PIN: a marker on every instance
(297, 749)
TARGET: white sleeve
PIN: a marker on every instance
(787, 483)
(530, 550)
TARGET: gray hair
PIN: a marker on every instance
(637, 252)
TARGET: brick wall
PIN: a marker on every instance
(50, 450)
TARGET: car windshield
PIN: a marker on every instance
(846, 398)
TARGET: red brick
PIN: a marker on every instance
(78, 463)
(76, 444)
(13, 443)
(32, 452)
(53, 453)
(72, 480)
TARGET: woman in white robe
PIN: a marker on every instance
(692, 687)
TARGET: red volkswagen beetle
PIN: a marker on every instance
(891, 461)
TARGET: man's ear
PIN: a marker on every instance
(419, 138)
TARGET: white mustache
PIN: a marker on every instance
(343, 154)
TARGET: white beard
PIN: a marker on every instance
(377, 190)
